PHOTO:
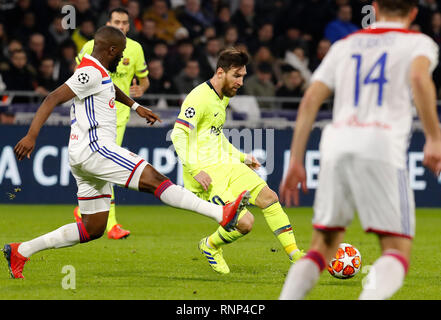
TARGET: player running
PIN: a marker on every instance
(97, 161)
(215, 170)
(131, 66)
(374, 74)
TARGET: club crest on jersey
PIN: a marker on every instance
(126, 61)
(190, 112)
(83, 78)
(112, 103)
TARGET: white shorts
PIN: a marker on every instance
(95, 176)
(378, 191)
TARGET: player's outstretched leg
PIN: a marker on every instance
(303, 275)
(387, 274)
(17, 254)
(152, 181)
(278, 221)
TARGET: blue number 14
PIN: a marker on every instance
(380, 80)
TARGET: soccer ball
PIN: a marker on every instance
(346, 263)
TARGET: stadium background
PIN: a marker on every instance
(285, 39)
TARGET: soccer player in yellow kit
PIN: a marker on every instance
(215, 170)
(131, 65)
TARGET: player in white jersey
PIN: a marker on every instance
(97, 161)
(374, 74)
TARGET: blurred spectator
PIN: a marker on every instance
(36, 47)
(222, 20)
(342, 26)
(289, 39)
(104, 16)
(264, 37)
(45, 81)
(264, 54)
(19, 75)
(56, 34)
(27, 27)
(83, 11)
(298, 59)
(134, 10)
(3, 42)
(260, 84)
(322, 49)
(84, 33)
(160, 50)
(210, 57)
(15, 16)
(166, 22)
(193, 18)
(13, 45)
(147, 37)
(176, 61)
(188, 78)
(246, 20)
(65, 64)
(46, 11)
(293, 86)
(231, 36)
(160, 83)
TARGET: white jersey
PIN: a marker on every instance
(369, 73)
(93, 111)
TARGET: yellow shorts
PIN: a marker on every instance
(229, 180)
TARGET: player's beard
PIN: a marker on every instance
(229, 91)
(114, 64)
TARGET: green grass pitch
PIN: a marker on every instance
(160, 260)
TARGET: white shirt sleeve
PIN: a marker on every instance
(428, 48)
(85, 82)
(326, 71)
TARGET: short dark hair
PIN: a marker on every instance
(397, 7)
(119, 10)
(232, 58)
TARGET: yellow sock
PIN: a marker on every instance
(111, 220)
(222, 237)
(279, 224)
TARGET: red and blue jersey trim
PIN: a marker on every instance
(185, 123)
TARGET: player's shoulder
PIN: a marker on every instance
(133, 44)
(197, 98)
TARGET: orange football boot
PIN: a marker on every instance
(15, 260)
(117, 232)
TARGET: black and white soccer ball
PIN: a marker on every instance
(190, 112)
(83, 78)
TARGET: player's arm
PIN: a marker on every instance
(424, 93)
(59, 96)
(143, 112)
(313, 98)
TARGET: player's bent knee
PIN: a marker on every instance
(266, 198)
(245, 224)
(95, 224)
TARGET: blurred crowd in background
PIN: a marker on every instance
(286, 40)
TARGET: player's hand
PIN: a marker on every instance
(24, 148)
(135, 90)
(148, 114)
(432, 156)
(252, 162)
(204, 179)
(289, 193)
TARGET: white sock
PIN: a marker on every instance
(301, 278)
(385, 277)
(64, 236)
(179, 197)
